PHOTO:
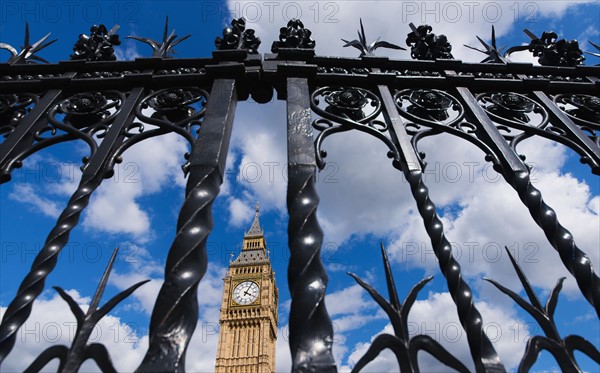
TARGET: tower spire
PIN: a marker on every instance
(255, 229)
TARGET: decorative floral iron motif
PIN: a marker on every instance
(12, 109)
(368, 49)
(98, 46)
(177, 110)
(402, 345)
(425, 45)
(351, 108)
(551, 52)
(72, 358)
(584, 110)
(86, 116)
(561, 348)
(237, 37)
(294, 36)
(430, 106)
(28, 53)
(510, 107)
(164, 49)
(494, 55)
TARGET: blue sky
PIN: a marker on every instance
(364, 201)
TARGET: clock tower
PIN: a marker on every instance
(248, 321)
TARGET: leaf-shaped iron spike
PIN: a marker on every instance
(412, 296)
(166, 29)
(165, 48)
(528, 289)
(575, 342)
(537, 314)
(380, 343)
(9, 48)
(383, 303)
(108, 306)
(366, 48)
(389, 277)
(553, 299)
(593, 44)
(530, 34)
(493, 54)
(435, 349)
(77, 312)
(99, 354)
(49, 354)
(538, 343)
(27, 53)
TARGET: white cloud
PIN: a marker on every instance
(147, 168)
(26, 194)
(240, 211)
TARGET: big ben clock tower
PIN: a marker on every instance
(248, 321)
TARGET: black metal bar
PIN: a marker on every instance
(311, 331)
(33, 284)
(517, 175)
(175, 312)
(485, 357)
(560, 119)
(24, 130)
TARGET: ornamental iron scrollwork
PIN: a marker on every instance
(404, 347)
(368, 49)
(237, 37)
(98, 46)
(584, 110)
(177, 110)
(294, 36)
(348, 108)
(162, 49)
(562, 349)
(425, 45)
(519, 117)
(28, 52)
(13, 107)
(438, 111)
(70, 359)
(86, 116)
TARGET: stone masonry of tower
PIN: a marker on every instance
(248, 319)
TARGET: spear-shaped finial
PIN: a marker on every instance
(368, 49)
(164, 49)
(28, 51)
(72, 358)
(494, 55)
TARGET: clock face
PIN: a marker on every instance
(245, 293)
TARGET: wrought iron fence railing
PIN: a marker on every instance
(113, 105)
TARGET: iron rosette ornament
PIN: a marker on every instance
(425, 45)
(430, 112)
(178, 110)
(429, 107)
(98, 46)
(237, 37)
(12, 109)
(294, 36)
(583, 110)
(348, 108)
(86, 116)
(512, 110)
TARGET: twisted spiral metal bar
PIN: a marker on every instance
(575, 260)
(484, 355)
(19, 309)
(175, 312)
(311, 331)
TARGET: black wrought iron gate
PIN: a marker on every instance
(399, 102)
